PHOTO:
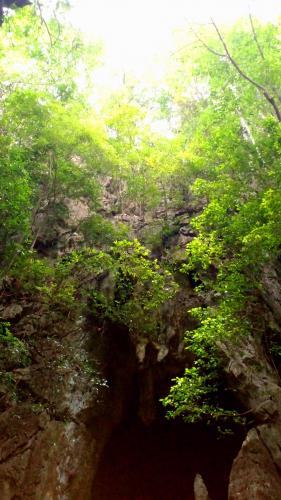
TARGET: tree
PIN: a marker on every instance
(234, 158)
(50, 138)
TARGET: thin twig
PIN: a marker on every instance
(255, 37)
(273, 88)
(43, 21)
(210, 49)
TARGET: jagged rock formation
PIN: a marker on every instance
(85, 378)
(256, 471)
(47, 446)
(70, 398)
(200, 490)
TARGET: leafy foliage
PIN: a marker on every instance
(100, 231)
(13, 353)
(123, 285)
(15, 346)
(51, 147)
(141, 288)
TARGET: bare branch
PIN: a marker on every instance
(43, 21)
(184, 47)
(210, 49)
(273, 88)
(260, 87)
(255, 37)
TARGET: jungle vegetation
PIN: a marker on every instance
(222, 101)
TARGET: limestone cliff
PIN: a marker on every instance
(88, 384)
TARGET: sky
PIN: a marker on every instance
(138, 34)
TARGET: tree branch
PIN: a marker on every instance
(273, 88)
(43, 21)
(255, 37)
(210, 49)
(260, 87)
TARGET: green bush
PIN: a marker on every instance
(13, 352)
(99, 231)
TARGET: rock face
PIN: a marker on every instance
(44, 459)
(48, 445)
(58, 413)
(85, 379)
(256, 471)
(60, 410)
(200, 490)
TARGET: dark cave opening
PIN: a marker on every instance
(147, 456)
(160, 461)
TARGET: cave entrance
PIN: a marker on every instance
(160, 461)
